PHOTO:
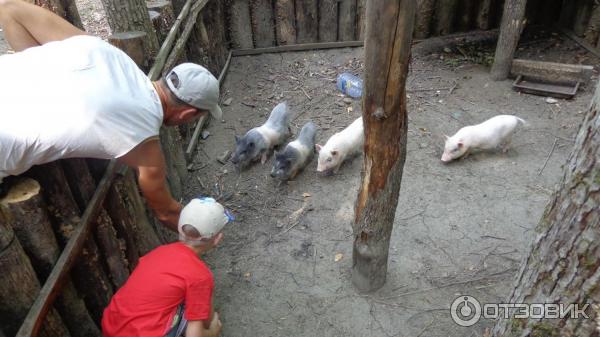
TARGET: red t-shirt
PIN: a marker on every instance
(164, 278)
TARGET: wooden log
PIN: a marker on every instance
(162, 17)
(83, 186)
(582, 17)
(425, 10)
(132, 43)
(240, 26)
(88, 273)
(552, 72)
(513, 22)
(445, 12)
(387, 52)
(285, 21)
(297, 47)
(127, 211)
(347, 20)
(306, 21)
(263, 26)
(361, 10)
(483, 14)
(213, 18)
(437, 44)
(27, 210)
(31, 225)
(19, 285)
(130, 16)
(592, 32)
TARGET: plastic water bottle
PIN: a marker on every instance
(350, 85)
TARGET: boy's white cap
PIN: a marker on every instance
(206, 215)
(197, 87)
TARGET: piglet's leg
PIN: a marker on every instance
(263, 158)
(506, 144)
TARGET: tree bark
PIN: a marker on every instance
(163, 19)
(307, 21)
(88, 273)
(563, 264)
(592, 32)
(361, 22)
(483, 14)
(240, 26)
(513, 22)
(445, 12)
(83, 187)
(262, 23)
(132, 43)
(347, 20)
(19, 285)
(425, 10)
(285, 22)
(387, 52)
(132, 15)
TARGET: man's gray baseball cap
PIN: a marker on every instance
(197, 87)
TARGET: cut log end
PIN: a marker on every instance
(24, 189)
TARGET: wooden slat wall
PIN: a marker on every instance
(283, 22)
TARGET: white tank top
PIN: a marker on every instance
(80, 97)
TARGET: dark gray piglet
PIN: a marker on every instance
(258, 142)
(296, 154)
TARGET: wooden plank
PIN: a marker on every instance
(361, 9)
(328, 20)
(307, 21)
(298, 47)
(347, 20)
(240, 26)
(552, 72)
(285, 22)
(69, 255)
(263, 26)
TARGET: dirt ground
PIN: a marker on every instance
(460, 228)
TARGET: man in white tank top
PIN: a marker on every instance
(66, 94)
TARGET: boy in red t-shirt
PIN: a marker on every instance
(171, 285)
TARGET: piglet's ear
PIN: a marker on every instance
(318, 147)
(334, 153)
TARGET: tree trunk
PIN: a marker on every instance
(387, 50)
(213, 18)
(592, 33)
(307, 21)
(88, 273)
(262, 23)
(285, 22)
(132, 15)
(240, 26)
(132, 43)
(513, 22)
(563, 264)
(347, 20)
(163, 19)
(328, 20)
(19, 285)
(425, 9)
(361, 22)
(483, 14)
(445, 11)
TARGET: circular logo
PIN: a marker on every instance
(465, 310)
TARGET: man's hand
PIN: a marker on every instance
(148, 159)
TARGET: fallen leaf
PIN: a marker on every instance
(338, 257)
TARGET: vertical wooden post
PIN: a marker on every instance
(425, 10)
(285, 22)
(592, 32)
(240, 26)
(361, 11)
(307, 22)
(263, 28)
(347, 20)
(513, 22)
(483, 14)
(445, 12)
(328, 18)
(387, 52)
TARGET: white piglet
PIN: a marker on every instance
(340, 146)
(496, 131)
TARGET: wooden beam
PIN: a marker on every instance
(552, 72)
(297, 47)
(69, 255)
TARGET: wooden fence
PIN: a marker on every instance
(267, 23)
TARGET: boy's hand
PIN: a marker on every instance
(215, 325)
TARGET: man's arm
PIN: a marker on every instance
(197, 328)
(149, 161)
